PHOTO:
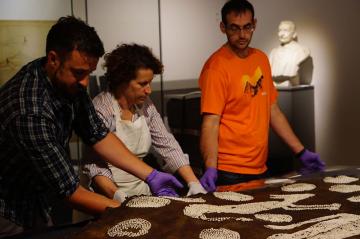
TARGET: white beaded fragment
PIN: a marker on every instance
(339, 226)
(354, 199)
(221, 233)
(279, 180)
(189, 200)
(274, 217)
(233, 196)
(331, 207)
(341, 188)
(341, 179)
(200, 210)
(148, 202)
(132, 228)
(289, 202)
(298, 187)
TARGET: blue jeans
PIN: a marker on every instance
(229, 178)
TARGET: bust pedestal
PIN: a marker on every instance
(297, 103)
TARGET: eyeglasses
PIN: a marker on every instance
(235, 29)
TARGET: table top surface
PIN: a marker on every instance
(322, 205)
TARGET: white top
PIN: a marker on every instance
(163, 143)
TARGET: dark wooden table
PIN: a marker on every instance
(309, 208)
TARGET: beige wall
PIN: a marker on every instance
(34, 9)
(329, 29)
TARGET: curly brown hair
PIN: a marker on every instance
(125, 60)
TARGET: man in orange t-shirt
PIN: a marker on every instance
(238, 104)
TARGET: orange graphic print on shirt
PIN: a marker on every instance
(252, 84)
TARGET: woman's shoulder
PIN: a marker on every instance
(102, 99)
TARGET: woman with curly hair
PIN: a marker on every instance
(127, 111)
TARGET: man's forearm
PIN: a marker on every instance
(90, 202)
(209, 140)
(104, 185)
(187, 174)
(115, 152)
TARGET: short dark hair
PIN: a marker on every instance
(70, 33)
(238, 6)
(125, 60)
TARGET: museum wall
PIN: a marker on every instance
(329, 29)
(23, 30)
(190, 32)
(125, 21)
(184, 48)
(34, 9)
(189, 35)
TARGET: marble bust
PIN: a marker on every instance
(287, 59)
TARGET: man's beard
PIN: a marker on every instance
(65, 90)
(69, 92)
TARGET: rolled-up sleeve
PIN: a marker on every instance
(87, 123)
(164, 143)
(94, 165)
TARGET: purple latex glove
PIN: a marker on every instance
(311, 162)
(163, 184)
(209, 178)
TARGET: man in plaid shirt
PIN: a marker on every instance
(40, 106)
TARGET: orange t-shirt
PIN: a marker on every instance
(241, 91)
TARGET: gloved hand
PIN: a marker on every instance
(311, 162)
(209, 178)
(163, 184)
(195, 188)
(120, 196)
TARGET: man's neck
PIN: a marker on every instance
(240, 53)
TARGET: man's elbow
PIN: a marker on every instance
(210, 120)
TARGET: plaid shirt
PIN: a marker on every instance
(36, 122)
